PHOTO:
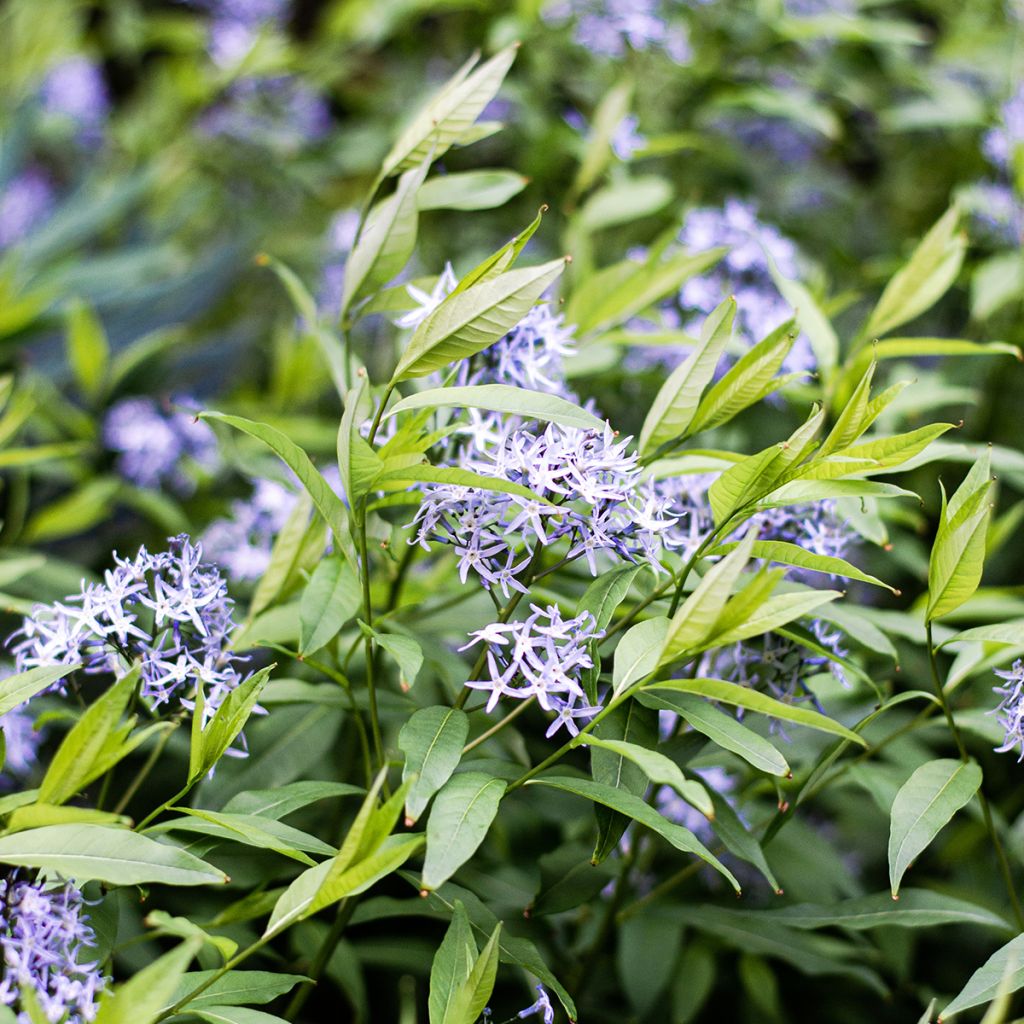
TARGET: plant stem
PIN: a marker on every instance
(143, 774)
(498, 726)
(181, 794)
(322, 958)
(378, 745)
(986, 810)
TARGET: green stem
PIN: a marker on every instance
(322, 958)
(371, 689)
(497, 727)
(143, 774)
(986, 810)
(180, 795)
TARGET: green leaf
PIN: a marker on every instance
(328, 504)
(923, 807)
(625, 202)
(469, 321)
(358, 464)
(406, 652)
(621, 291)
(183, 928)
(462, 813)
(449, 113)
(94, 743)
(749, 380)
(140, 999)
(236, 1015)
(1005, 967)
(736, 838)
(471, 190)
(88, 349)
(432, 741)
(16, 689)
(775, 612)
(503, 258)
(284, 555)
(638, 652)
(659, 769)
(810, 317)
(212, 741)
(678, 399)
(330, 599)
(400, 479)
(280, 802)
(531, 405)
(693, 623)
(452, 965)
(917, 908)
(924, 279)
(597, 154)
(387, 240)
(476, 990)
(605, 593)
(112, 855)
(719, 728)
(634, 807)
(753, 700)
(996, 633)
(232, 989)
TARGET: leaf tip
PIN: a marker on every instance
(261, 259)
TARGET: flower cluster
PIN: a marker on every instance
(995, 204)
(21, 744)
(743, 273)
(155, 446)
(45, 940)
(170, 611)
(588, 494)
(608, 27)
(543, 657)
(1011, 707)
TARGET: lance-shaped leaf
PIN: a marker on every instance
(469, 321)
(452, 966)
(88, 349)
(749, 380)
(142, 997)
(924, 279)
(852, 421)
(634, 807)
(775, 612)
(284, 556)
(638, 653)
(753, 700)
(462, 813)
(328, 504)
(659, 769)
(498, 262)
(470, 190)
(598, 152)
(1003, 971)
(330, 599)
(475, 992)
(446, 116)
(16, 689)
(432, 741)
(530, 405)
(958, 554)
(358, 464)
(676, 402)
(400, 479)
(96, 742)
(101, 853)
(809, 315)
(719, 728)
(1011, 633)
(923, 807)
(696, 618)
(387, 239)
(211, 742)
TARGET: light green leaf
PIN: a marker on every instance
(387, 240)
(634, 807)
(400, 479)
(530, 405)
(752, 700)
(447, 116)
(476, 990)
(358, 464)
(1011, 633)
(597, 154)
(140, 999)
(462, 813)
(280, 802)
(112, 855)
(406, 652)
(625, 202)
(470, 190)
(88, 349)
(719, 728)
(923, 807)
(469, 321)
(236, 1015)
(679, 397)
(330, 599)
(924, 279)
(775, 612)
(432, 741)
(810, 317)
(232, 989)
(637, 654)
(452, 965)
(16, 689)
(1003, 970)
(284, 555)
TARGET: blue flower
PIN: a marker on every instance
(542, 1008)
(170, 611)
(543, 657)
(46, 941)
(1010, 710)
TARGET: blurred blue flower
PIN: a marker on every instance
(75, 90)
(542, 1008)
(608, 27)
(46, 942)
(156, 445)
(26, 200)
